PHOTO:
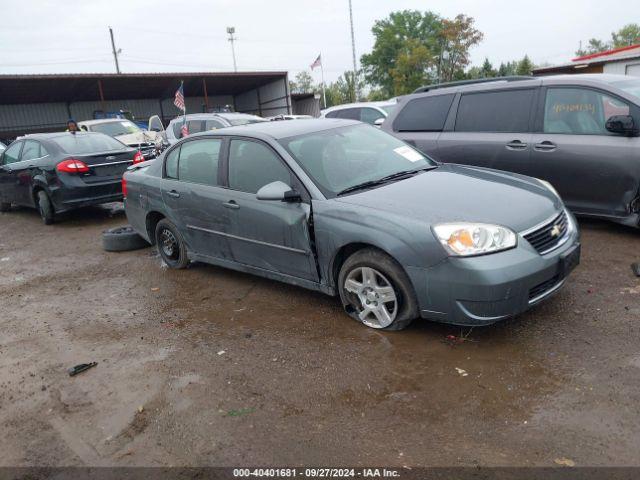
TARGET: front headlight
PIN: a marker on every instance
(549, 186)
(464, 239)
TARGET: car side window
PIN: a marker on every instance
(198, 162)
(333, 114)
(502, 112)
(171, 163)
(252, 165)
(580, 111)
(370, 115)
(177, 127)
(12, 153)
(424, 114)
(31, 150)
(194, 126)
(212, 125)
(350, 113)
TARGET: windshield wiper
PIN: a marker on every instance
(386, 179)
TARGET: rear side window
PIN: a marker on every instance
(171, 163)
(505, 111)
(83, 143)
(31, 150)
(198, 161)
(12, 153)
(426, 114)
(370, 115)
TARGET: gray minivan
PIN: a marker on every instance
(578, 132)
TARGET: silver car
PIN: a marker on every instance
(201, 122)
(344, 208)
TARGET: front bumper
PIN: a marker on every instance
(485, 289)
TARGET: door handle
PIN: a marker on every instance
(231, 204)
(516, 145)
(173, 193)
(545, 146)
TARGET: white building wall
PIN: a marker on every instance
(627, 67)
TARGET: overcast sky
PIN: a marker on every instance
(56, 36)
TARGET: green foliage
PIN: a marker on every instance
(525, 66)
(303, 83)
(408, 50)
(341, 91)
(627, 35)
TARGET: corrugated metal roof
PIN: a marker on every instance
(42, 88)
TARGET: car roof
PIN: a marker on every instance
(384, 103)
(278, 130)
(52, 135)
(103, 120)
(208, 116)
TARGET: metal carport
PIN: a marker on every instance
(39, 103)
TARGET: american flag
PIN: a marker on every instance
(317, 63)
(179, 100)
(184, 131)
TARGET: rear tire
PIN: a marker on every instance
(122, 239)
(376, 291)
(45, 208)
(171, 245)
(5, 206)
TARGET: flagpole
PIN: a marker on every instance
(184, 110)
(324, 95)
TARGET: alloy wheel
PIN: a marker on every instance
(376, 301)
(169, 244)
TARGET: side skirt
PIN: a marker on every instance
(300, 282)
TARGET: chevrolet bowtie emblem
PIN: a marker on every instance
(555, 231)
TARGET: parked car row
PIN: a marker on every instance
(448, 206)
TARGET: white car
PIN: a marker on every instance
(373, 113)
(148, 142)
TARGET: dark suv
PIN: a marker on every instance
(578, 132)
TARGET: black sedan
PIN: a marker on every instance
(57, 172)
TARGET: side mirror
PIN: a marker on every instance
(278, 191)
(623, 125)
(379, 122)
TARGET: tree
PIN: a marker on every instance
(507, 69)
(458, 36)
(396, 38)
(408, 73)
(341, 91)
(487, 69)
(303, 83)
(525, 67)
(627, 35)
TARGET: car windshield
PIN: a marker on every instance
(344, 157)
(631, 86)
(388, 108)
(235, 121)
(114, 129)
(80, 144)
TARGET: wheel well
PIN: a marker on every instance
(345, 252)
(152, 220)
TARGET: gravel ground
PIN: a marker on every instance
(206, 366)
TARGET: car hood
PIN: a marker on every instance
(139, 137)
(458, 193)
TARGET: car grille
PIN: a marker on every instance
(550, 235)
(539, 290)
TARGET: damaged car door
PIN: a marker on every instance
(269, 235)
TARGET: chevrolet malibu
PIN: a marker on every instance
(346, 209)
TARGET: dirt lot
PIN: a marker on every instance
(209, 367)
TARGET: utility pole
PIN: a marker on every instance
(353, 52)
(231, 31)
(115, 52)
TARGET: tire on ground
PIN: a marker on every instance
(45, 208)
(122, 239)
(377, 259)
(179, 258)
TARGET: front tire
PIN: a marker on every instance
(376, 291)
(171, 245)
(45, 208)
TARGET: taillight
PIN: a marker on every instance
(138, 157)
(72, 165)
(124, 187)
